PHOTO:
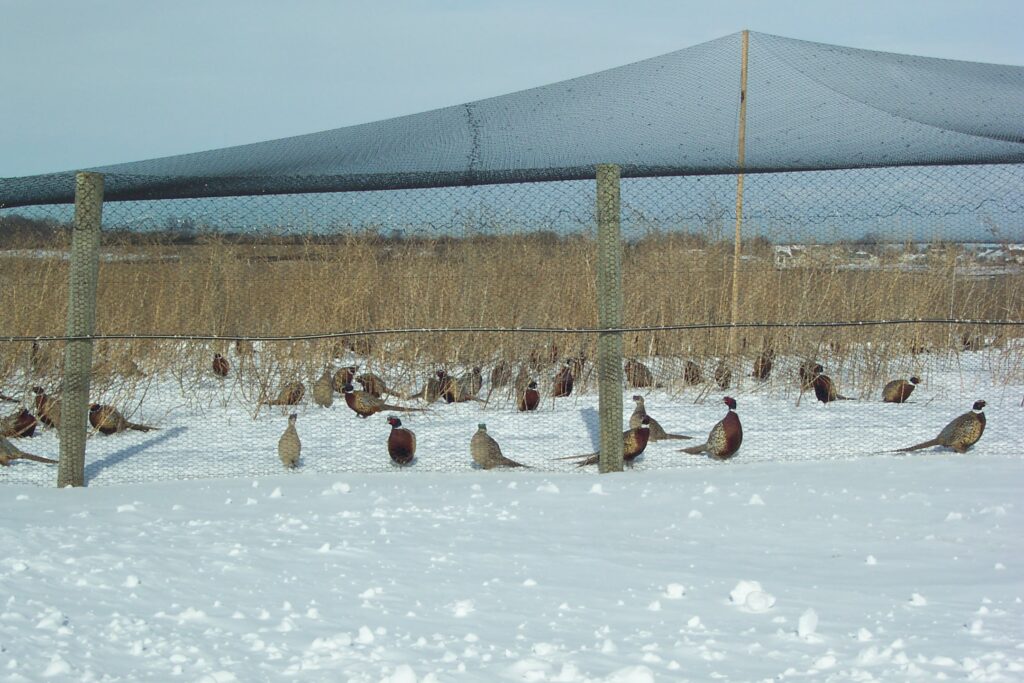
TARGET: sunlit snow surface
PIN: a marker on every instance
(787, 563)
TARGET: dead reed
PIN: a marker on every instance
(363, 282)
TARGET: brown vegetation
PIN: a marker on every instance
(233, 287)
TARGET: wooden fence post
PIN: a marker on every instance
(609, 312)
(84, 273)
(741, 160)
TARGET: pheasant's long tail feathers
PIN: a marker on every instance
(141, 428)
(578, 457)
(592, 460)
(21, 455)
(926, 444)
(695, 450)
(401, 409)
(678, 437)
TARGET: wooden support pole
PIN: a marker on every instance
(84, 273)
(741, 160)
(609, 312)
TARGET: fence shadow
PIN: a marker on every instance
(94, 468)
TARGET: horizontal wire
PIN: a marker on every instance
(514, 330)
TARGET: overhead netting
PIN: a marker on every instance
(811, 106)
(881, 239)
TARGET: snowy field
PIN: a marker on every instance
(812, 556)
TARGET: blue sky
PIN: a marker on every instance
(93, 83)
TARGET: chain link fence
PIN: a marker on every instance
(449, 302)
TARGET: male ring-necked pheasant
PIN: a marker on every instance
(824, 388)
(899, 390)
(562, 386)
(21, 423)
(401, 443)
(657, 432)
(725, 437)
(960, 434)
(529, 399)
(47, 407)
(107, 420)
(634, 441)
(220, 365)
(365, 405)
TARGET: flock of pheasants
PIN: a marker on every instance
(723, 441)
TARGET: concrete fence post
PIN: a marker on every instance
(609, 312)
(84, 273)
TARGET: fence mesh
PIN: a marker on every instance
(401, 285)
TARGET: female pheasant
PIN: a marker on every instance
(289, 447)
(725, 437)
(960, 434)
(657, 432)
(401, 443)
(486, 452)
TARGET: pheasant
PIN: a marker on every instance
(486, 452)
(47, 408)
(825, 389)
(342, 377)
(763, 365)
(725, 437)
(220, 365)
(808, 371)
(289, 395)
(960, 434)
(899, 390)
(473, 382)
(501, 374)
(372, 384)
(289, 447)
(638, 375)
(723, 375)
(21, 423)
(462, 389)
(107, 420)
(657, 433)
(401, 443)
(431, 391)
(529, 399)
(634, 441)
(9, 452)
(365, 405)
(562, 385)
(243, 348)
(692, 373)
(323, 390)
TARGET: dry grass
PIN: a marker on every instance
(361, 282)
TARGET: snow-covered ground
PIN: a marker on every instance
(874, 569)
(813, 555)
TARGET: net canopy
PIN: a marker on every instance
(812, 106)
